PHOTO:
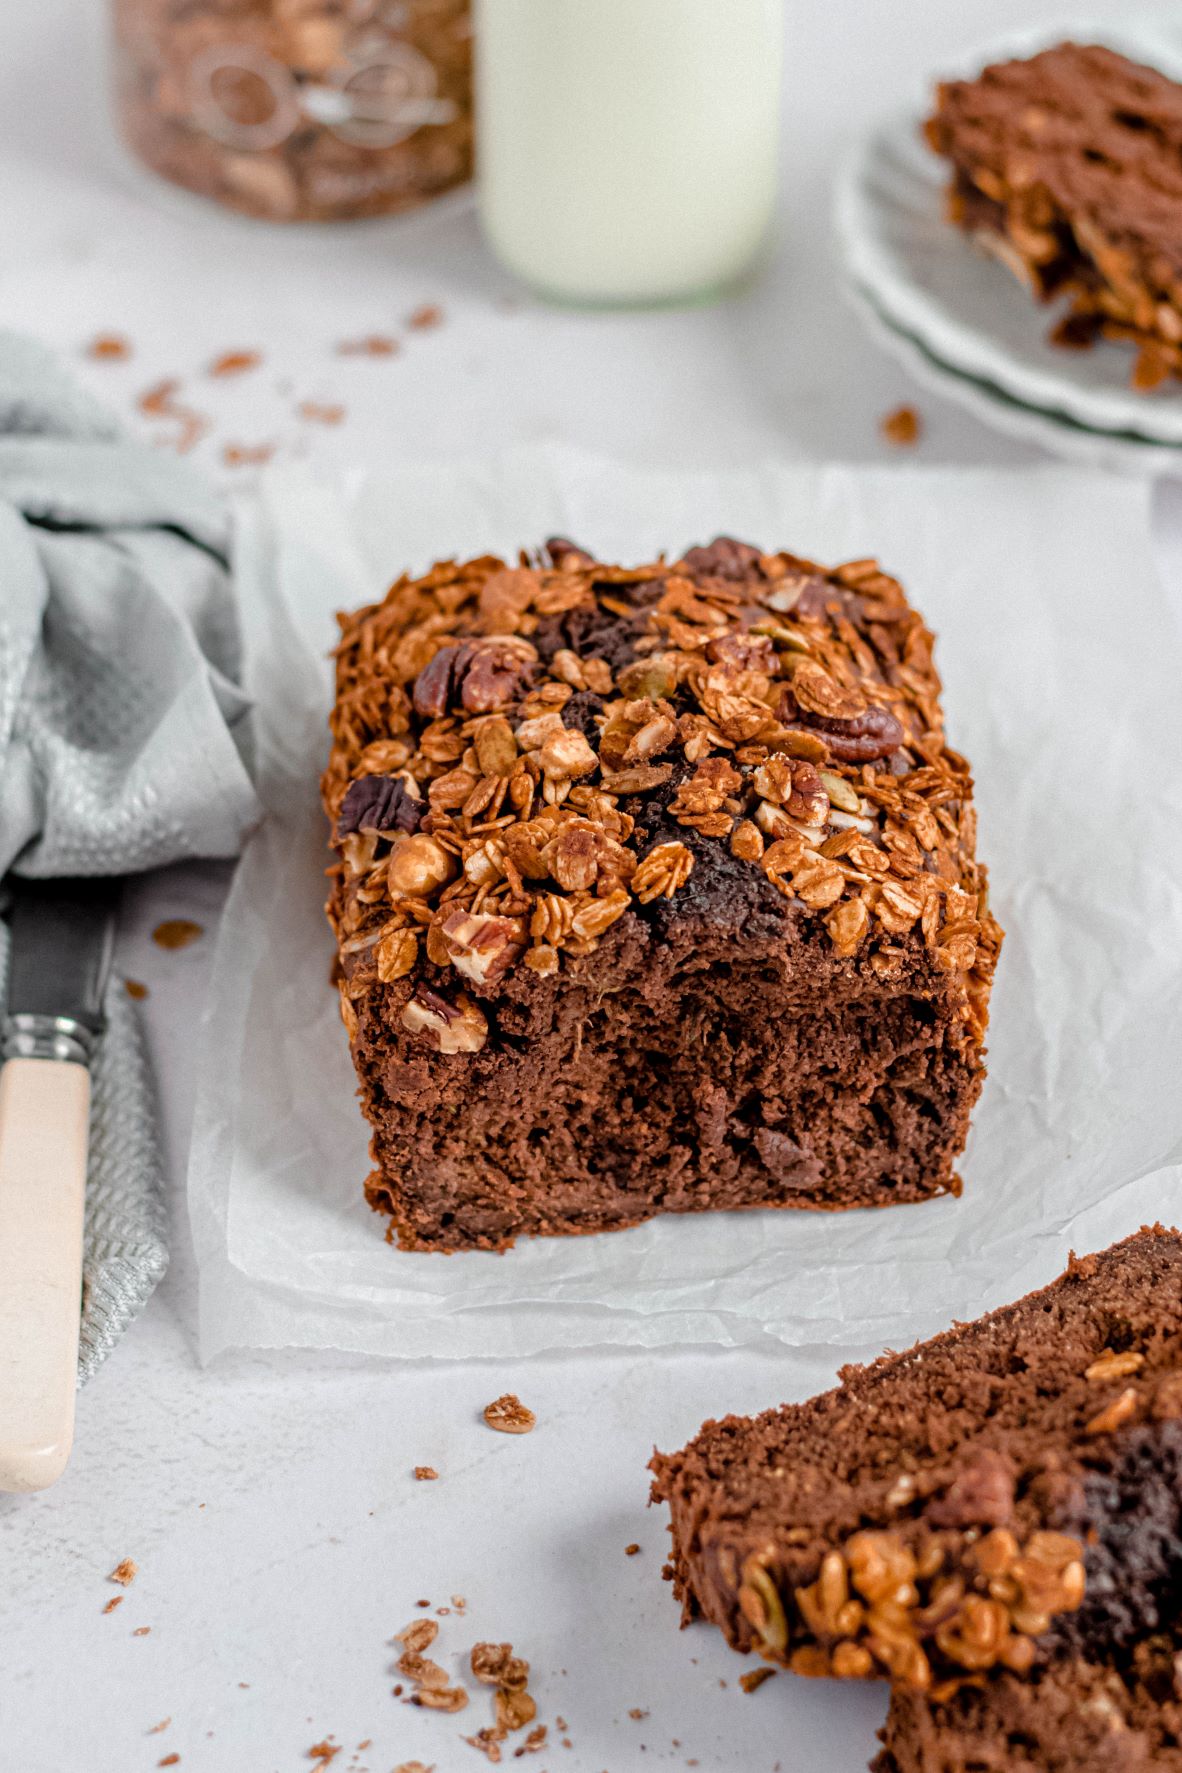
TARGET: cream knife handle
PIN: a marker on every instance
(44, 1113)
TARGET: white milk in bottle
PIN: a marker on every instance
(627, 149)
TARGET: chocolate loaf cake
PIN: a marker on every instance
(655, 892)
(1122, 1715)
(1007, 1493)
(1068, 167)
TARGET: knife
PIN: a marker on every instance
(61, 935)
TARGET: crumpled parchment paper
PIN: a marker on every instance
(1063, 669)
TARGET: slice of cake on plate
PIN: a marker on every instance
(1067, 166)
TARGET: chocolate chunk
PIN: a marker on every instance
(723, 558)
(379, 803)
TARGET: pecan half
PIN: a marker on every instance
(483, 675)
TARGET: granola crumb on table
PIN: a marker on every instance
(903, 426)
(109, 347)
(1064, 169)
(509, 1415)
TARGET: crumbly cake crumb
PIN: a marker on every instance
(508, 1415)
(902, 427)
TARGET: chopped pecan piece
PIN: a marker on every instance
(457, 1027)
(1115, 1414)
(1114, 1366)
(482, 945)
(746, 651)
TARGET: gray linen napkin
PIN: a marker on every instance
(122, 734)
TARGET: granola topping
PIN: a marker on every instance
(933, 1610)
(523, 755)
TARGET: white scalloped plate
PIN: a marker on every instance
(928, 282)
(1113, 450)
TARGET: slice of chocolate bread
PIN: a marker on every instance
(1008, 1491)
(1068, 167)
(656, 892)
(1123, 1715)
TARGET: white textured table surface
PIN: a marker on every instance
(269, 1502)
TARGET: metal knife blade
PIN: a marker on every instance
(61, 937)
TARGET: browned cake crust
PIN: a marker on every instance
(1068, 166)
(656, 891)
(1007, 1492)
(1120, 1715)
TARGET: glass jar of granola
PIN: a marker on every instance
(298, 110)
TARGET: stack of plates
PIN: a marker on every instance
(962, 324)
